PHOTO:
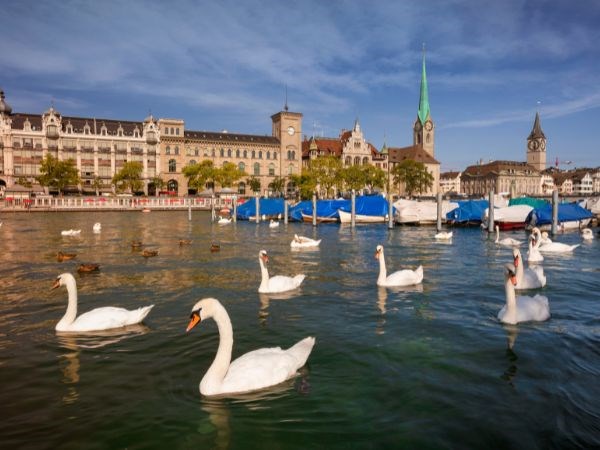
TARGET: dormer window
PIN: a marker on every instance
(86, 129)
(69, 128)
(27, 125)
(103, 130)
(136, 133)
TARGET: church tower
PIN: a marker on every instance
(423, 129)
(536, 146)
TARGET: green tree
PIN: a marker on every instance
(413, 175)
(199, 174)
(326, 172)
(254, 183)
(129, 178)
(22, 181)
(277, 185)
(159, 183)
(58, 174)
(228, 174)
(353, 177)
(305, 183)
(97, 184)
(374, 177)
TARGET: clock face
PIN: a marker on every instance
(428, 125)
(291, 131)
(531, 145)
(542, 145)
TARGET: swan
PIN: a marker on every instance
(521, 308)
(444, 235)
(224, 220)
(587, 234)
(303, 241)
(273, 224)
(97, 319)
(97, 227)
(507, 242)
(544, 238)
(255, 370)
(70, 232)
(527, 278)
(278, 283)
(404, 277)
(548, 246)
(533, 254)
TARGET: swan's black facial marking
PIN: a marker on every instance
(195, 313)
(56, 283)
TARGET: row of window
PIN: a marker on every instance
(291, 154)
(241, 166)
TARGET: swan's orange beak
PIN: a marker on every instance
(195, 320)
(265, 258)
(513, 280)
(56, 284)
(376, 255)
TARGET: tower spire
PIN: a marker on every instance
(536, 131)
(285, 108)
(424, 96)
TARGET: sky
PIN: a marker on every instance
(230, 65)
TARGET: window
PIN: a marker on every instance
(348, 161)
(172, 130)
(242, 188)
(176, 150)
(290, 169)
(268, 155)
(222, 152)
(260, 154)
(242, 166)
(237, 153)
(168, 150)
(172, 165)
(293, 154)
(229, 153)
(289, 155)
(177, 131)
(271, 169)
(245, 153)
(428, 138)
(213, 152)
(256, 169)
(253, 154)
(192, 162)
(274, 155)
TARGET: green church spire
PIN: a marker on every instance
(424, 98)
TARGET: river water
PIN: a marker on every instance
(422, 367)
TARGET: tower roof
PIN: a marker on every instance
(536, 131)
(424, 96)
(4, 107)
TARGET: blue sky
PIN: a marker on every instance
(226, 64)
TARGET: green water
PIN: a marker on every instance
(424, 367)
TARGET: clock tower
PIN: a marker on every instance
(424, 128)
(287, 128)
(536, 146)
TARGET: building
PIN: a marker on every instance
(450, 182)
(536, 146)
(423, 148)
(100, 147)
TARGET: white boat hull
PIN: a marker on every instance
(346, 217)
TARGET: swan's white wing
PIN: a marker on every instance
(108, 317)
(405, 277)
(281, 283)
(532, 308)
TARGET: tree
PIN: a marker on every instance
(414, 175)
(22, 181)
(199, 174)
(374, 177)
(305, 183)
(58, 174)
(129, 178)
(326, 172)
(277, 185)
(353, 177)
(228, 174)
(97, 184)
(254, 183)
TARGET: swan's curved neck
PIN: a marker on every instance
(511, 301)
(264, 273)
(519, 270)
(215, 374)
(497, 235)
(382, 269)
(71, 313)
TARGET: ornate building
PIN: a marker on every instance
(100, 147)
(423, 148)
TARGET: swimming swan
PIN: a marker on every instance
(303, 241)
(533, 254)
(97, 319)
(557, 247)
(97, 228)
(273, 224)
(507, 242)
(255, 370)
(278, 283)
(587, 234)
(444, 235)
(404, 277)
(522, 308)
(527, 278)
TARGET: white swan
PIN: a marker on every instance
(545, 238)
(70, 232)
(404, 277)
(255, 370)
(522, 308)
(97, 227)
(507, 242)
(278, 283)
(303, 241)
(527, 278)
(547, 246)
(97, 319)
(444, 235)
(224, 220)
(587, 234)
(273, 224)
(533, 254)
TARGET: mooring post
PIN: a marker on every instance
(190, 212)
(285, 211)
(314, 211)
(257, 208)
(439, 212)
(390, 211)
(234, 207)
(353, 209)
(212, 208)
(491, 212)
(554, 212)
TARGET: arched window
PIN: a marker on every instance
(222, 152)
(172, 131)
(428, 138)
(229, 153)
(271, 169)
(290, 169)
(293, 154)
(245, 153)
(274, 155)
(172, 165)
(168, 150)
(268, 155)
(357, 160)
(176, 150)
(365, 161)
(348, 161)
(253, 154)
(172, 185)
(242, 188)
(237, 153)
(289, 155)
(242, 166)
(260, 154)
(177, 131)
(192, 162)
(256, 168)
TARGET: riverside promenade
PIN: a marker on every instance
(116, 203)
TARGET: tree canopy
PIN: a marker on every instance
(199, 174)
(413, 175)
(58, 174)
(326, 172)
(129, 178)
(228, 174)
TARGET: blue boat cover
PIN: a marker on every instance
(268, 207)
(566, 212)
(369, 205)
(325, 208)
(468, 211)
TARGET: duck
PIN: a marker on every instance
(214, 247)
(224, 220)
(185, 241)
(273, 224)
(303, 241)
(88, 267)
(404, 277)
(149, 253)
(258, 369)
(533, 254)
(136, 244)
(521, 308)
(444, 235)
(527, 278)
(60, 256)
(98, 319)
(587, 234)
(507, 242)
(70, 232)
(278, 283)
(97, 227)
